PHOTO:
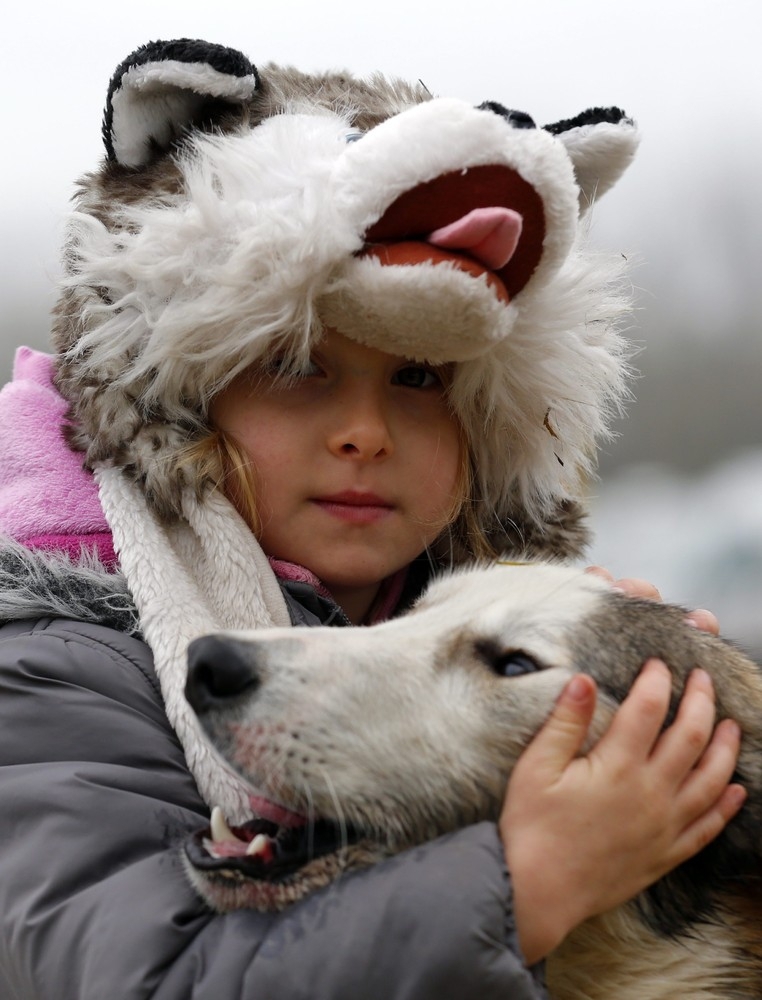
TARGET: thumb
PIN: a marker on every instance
(563, 734)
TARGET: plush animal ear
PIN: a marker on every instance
(601, 143)
(164, 88)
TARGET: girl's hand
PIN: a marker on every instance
(701, 618)
(585, 834)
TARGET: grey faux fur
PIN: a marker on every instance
(35, 584)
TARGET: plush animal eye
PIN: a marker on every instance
(507, 662)
(516, 119)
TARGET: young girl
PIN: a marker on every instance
(353, 468)
(281, 486)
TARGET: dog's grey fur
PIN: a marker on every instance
(410, 729)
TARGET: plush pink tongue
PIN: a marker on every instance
(491, 235)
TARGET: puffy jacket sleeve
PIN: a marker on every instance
(94, 903)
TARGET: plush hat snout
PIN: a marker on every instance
(423, 172)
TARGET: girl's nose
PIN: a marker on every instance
(360, 429)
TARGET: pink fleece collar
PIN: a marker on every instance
(390, 593)
(48, 500)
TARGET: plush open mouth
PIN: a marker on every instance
(469, 218)
(263, 850)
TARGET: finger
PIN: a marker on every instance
(563, 735)
(704, 620)
(710, 824)
(634, 587)
(705, 784)
(639, 720)
(601, 572)
(681, 746)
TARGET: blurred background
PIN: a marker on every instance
(679, 500)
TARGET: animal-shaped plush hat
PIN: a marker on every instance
(241, 211)
(238, 211)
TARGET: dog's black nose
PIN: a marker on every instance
(218, 670)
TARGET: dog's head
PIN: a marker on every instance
(240, 210)
(375, 739)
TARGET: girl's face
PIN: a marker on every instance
(356, 462)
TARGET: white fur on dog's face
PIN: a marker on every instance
(408, 729)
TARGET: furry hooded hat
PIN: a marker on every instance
(239, 212)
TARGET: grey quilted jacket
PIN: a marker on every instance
(96, 797)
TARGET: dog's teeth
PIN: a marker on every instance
(220, 829)
(259, 845)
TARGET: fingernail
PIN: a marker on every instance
(691, 618)
(734, 728)
(658, 665)
(577, 689)
(738, 795)
(703, 676)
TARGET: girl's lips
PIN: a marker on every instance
(357, 508)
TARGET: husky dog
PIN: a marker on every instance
(383, 737)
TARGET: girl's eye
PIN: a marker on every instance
(278, 367)
(273, 366)
(307, 370)
(416, 377)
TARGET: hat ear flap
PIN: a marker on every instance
(601, 144)
(165, 88)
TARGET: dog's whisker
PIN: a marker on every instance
(338, 810)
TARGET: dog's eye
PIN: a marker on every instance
(515, 665)
(508, 662)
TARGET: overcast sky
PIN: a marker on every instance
(687, 70)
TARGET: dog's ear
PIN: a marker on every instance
(165, 88)
(601, 143)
